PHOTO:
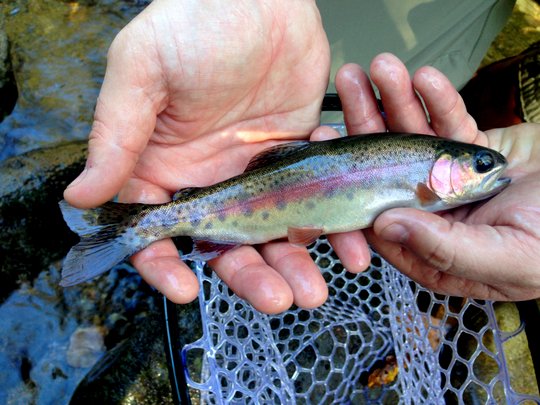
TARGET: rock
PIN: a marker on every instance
(33, 233)
(8, 88)
(58, 52)
(86, 346)
(516, 350)
(136, 370)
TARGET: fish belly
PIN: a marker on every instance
(332, 212)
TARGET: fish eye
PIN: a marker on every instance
(484, 161)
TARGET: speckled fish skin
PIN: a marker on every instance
(330, 186)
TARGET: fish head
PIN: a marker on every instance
(464, 173)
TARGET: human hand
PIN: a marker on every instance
(192, 91)
(488, 250)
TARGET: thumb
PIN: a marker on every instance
(124, 120)
(474, 252)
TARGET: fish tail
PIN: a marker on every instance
(103, 241)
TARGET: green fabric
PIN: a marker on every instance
(452, 35)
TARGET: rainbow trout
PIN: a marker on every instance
(299, 190)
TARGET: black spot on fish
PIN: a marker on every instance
(209, 225)
(310, 205)
(329, 193)
(155, 232)
(349, 196)
(248, 212)
(195, 222)
(281, 205)
(265, 215)
(222, 217)
(235, 224)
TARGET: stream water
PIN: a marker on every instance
(58, 51)
(49, 337)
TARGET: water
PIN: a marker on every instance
(51, 337)
(59, 55)
(34, 366)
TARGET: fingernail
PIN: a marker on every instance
(79, 178)
(395, 233)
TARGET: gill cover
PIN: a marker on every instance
(467, 175)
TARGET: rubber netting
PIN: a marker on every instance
(380, 338)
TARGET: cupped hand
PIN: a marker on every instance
(192, 91)
(488, 250)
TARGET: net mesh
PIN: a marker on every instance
(379, 338)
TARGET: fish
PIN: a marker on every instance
(298, 190)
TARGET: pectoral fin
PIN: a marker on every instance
(426, 196)
(304, 235)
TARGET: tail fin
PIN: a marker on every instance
(102, 244)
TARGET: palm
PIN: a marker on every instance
(215, 113)
(192, 91)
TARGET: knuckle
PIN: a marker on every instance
(441, 256)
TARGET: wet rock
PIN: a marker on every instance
(33, 233)
(136, 370)
(86, 346)
(516, 350)
(58, 52)
(48, 342)
(8, 88)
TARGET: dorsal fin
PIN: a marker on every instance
(185, 192)
(275, 153)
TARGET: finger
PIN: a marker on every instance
(161, 267)
(324, 133)
(360, 108)
(403, 109)
(352, 249)
(521, 146)
(449, 116)
(159, 264)
(248, 275)
(296, 266)
(124, 120)
(141, 191)
(473, 252)
(431, 278)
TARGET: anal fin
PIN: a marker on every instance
(205, 250)
(303, 235)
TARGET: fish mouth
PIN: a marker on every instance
(493, 183)
(500, 184)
